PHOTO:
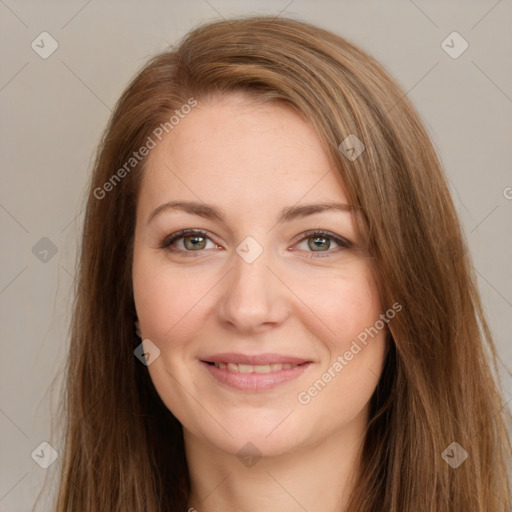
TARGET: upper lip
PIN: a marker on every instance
(255, 359)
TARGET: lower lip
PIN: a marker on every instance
(254, 381)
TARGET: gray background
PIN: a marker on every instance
(54, 110)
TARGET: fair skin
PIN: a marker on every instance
(250, 161)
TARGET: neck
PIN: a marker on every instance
(313, 477)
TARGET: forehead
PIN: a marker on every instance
(266, 153)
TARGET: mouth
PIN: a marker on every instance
(254, 373)
(254, 368)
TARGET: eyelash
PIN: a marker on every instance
(168, 240)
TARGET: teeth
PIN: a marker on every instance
(262, 368)
(256, 368)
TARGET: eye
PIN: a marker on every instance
(191, 242)
(321, 241)
(187, 242)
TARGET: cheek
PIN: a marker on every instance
(356, 314)
(355, 338)
(165, 300)
(339, 391)
(345, 303)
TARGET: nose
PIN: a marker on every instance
(254, 297)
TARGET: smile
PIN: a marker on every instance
(258, 368)
(254, 377)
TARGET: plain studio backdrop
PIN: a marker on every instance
(65, 64)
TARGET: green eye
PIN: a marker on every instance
(195, 241)
(319, 243)
(322, 241)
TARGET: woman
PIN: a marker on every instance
(275, 309)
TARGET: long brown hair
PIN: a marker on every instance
(124, 449)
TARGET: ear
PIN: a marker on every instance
(137, 328)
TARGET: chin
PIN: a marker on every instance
(257, 434)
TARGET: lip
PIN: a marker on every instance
(254, 382)
(254, 359)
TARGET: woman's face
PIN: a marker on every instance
(282, 311)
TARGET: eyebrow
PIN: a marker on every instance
(211, 212)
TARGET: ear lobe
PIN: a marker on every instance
(137, 328)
